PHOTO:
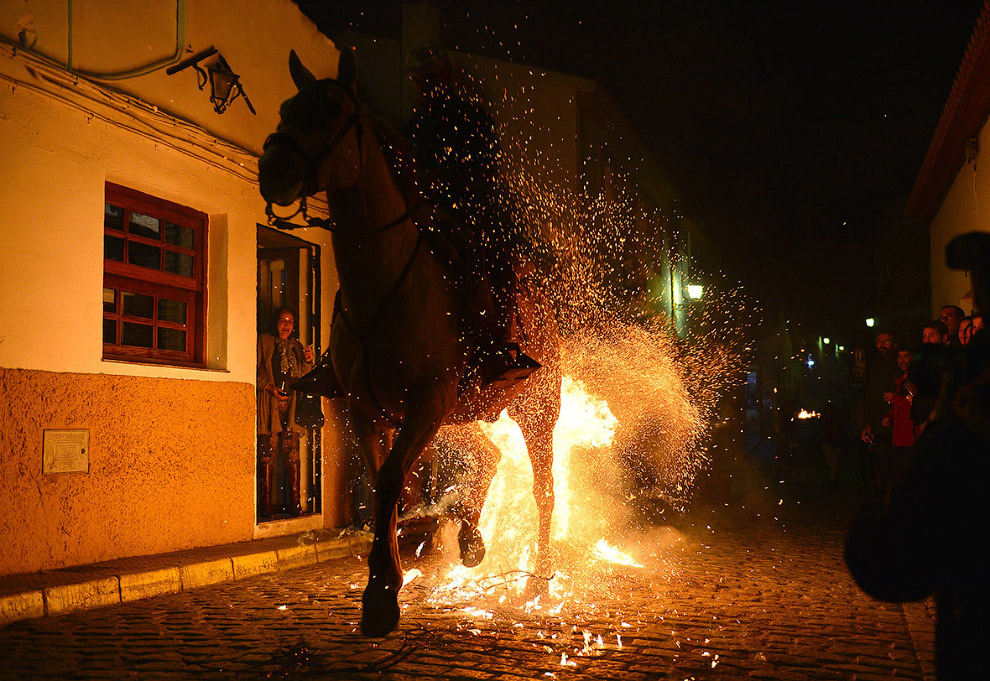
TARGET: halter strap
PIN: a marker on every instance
(313, 161)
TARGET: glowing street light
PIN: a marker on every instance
(826, 340)
(694, 291)
(870, 321)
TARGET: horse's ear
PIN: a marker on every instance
(301, 76)
(347, 67)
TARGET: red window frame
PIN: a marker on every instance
(121, 276)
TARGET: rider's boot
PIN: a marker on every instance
(506, 362)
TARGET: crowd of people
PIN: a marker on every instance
(893, 413)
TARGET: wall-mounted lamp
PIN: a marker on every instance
(695, 291)
(870, 321)
(826, 340)
(225, 85)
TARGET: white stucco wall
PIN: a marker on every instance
(966, 208)
(62, 141)
(171, 463)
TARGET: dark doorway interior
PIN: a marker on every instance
(289, 275)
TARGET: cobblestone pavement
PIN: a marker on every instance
(733, 594)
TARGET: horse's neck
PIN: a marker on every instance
(369, 264)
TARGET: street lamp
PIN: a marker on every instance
(826, 340)
(694, 291)
(870, 321)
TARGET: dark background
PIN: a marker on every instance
(789, 128)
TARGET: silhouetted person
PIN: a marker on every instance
(457, 156)
(928, 533)
(880, 379)
(951, 316)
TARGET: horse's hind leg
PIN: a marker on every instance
(380, 604)
(536, 411)
(485, 456)
(539, 443)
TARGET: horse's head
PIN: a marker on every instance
(312, 148)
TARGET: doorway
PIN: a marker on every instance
(289, 276)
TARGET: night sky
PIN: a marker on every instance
(789, 128)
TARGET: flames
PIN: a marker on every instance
(583, 435)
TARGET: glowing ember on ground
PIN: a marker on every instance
(808, 414)
(410, 575)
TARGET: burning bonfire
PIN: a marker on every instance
(637, 405)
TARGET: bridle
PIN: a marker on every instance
(311, 164)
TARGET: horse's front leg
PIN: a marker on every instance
(484, 455)
(380, 604)
(537, 430)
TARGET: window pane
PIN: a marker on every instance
(171, 339)
(178, 235)
(110, 331)
(109, 300)
(144, 255)
(137, 305)
(171, 311)
(113, 217)
(178, 263)
(145, 225)
(140, 335)
(113, 248)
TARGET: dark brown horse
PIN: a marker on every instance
(399, 345)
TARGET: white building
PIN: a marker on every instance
(134, 260)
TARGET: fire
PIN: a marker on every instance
(584, 432)
(585, 422)
(607, 552)
(808, 414)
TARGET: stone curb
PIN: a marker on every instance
(130, 586)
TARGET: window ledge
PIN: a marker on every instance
(152, 363)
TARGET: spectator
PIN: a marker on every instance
(923, 537)
(977, 324)
(951, 316)
(830, 441)
(965, 330)
(899, 417)
(281, 360)
(935, 332)
(880, 379)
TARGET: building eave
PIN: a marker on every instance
(964, 114)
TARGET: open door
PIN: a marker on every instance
(289, 276)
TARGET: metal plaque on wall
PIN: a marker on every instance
(66, 451)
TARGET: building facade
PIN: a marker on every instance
(952, 190)
(135, 267)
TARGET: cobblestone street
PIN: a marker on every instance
(740, 593)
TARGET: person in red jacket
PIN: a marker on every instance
(903, 431)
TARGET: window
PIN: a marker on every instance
(154, 296)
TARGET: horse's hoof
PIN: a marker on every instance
(472, 546)
(379, 611)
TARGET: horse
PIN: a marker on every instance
(399, 345)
